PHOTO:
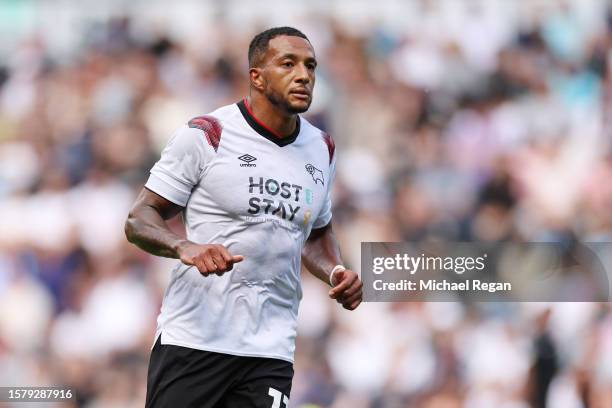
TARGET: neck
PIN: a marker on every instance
(279, 122)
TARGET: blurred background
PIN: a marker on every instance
(466, 120)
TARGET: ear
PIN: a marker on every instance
(257, 80)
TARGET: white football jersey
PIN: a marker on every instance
(259, 196)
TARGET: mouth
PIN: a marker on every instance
(300, 94)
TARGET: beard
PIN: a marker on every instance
(277, 100)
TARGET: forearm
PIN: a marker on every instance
(147, 230)
(321, 253)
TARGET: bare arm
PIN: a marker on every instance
(146, 228)
(320, 254)
(146, 225)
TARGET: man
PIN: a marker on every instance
(253, 183)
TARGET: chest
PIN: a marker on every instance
(257, 180)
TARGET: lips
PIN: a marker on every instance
(301, 92)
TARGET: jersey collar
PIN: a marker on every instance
(265, 131)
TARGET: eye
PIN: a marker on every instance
(287, 64)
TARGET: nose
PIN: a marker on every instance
(302, 75)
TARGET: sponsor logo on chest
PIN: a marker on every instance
(281, 199)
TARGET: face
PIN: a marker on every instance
(286, 75)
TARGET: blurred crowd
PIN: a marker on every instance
(463, 120)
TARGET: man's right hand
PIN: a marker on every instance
(208, 258)
(146, 227)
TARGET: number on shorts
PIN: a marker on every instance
(278, 397)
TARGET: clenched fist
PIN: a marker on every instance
(208, 258)
(347, 289)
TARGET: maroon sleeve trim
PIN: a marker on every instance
(331, 146)
(210, 126)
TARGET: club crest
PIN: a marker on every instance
(317, 175)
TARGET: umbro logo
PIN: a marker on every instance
(247, 159)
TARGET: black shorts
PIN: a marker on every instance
(181, 377)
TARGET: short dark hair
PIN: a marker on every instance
(259, 43)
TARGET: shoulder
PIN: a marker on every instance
(226, 112)
(210, 125)
(317, 135)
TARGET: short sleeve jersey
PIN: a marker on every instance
(259, 196)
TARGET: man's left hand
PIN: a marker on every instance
(347, 289)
